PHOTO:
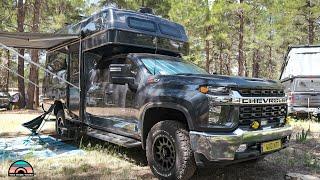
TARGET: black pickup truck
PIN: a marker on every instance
(135, 90)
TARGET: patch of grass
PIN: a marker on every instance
(302, 137)
(68, 170)
(85, 167)
(11, 124)
(108, 161)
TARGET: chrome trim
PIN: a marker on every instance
(235, 98)
(223, 146)
(313, 110)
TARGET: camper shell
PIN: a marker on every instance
(301, 78)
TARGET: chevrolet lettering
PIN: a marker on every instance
(263, 100)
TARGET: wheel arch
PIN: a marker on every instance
(172, 111)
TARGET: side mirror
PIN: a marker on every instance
(121, 74)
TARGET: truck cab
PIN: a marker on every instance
(133, 88)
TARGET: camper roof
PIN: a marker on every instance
(130, 28)
(120, 31)
(301, 61)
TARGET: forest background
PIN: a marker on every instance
(230, 37)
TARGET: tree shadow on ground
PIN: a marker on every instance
(245, 170)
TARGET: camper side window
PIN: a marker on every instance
(74, 68)
(96, 23)
(57, 61)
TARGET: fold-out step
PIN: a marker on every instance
(114, 138)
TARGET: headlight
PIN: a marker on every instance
(219, 91)
(220, 114)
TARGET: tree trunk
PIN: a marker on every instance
(270, 63)
(35, 58)
(240, 46)
(8, 72)
(310, 20)
(228, 64)
(207, 49)
(220, 59)
(255, 63)
(20, 22)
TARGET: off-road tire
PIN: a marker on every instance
(60, 123)
(184, 164)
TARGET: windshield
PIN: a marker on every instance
(163, 66)
(302, 62)
(307, 85)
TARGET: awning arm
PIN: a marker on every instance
(19, 75)
(38, 65)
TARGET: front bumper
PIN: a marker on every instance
(223, 146)
(303, 110)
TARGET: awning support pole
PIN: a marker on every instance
(38, 65)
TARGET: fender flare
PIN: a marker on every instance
(168, 105)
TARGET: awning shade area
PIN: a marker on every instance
(35, 40)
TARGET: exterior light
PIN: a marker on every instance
(204, 89)
(242, 148)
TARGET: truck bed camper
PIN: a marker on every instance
(123, 79)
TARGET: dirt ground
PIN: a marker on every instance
(107, 161)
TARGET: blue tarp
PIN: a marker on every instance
(18, 148)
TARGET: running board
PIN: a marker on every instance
(114, 138)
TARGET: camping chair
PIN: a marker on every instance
(36, 124)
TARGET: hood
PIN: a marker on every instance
(220, 80)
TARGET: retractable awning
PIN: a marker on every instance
(45, 41)
(35, 40)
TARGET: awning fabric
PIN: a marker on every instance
(35, 40)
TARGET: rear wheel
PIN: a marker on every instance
(169, 151)
(60, 123)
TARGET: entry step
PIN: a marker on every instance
(114, 138)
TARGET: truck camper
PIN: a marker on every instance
(301, 78)
(124, 80)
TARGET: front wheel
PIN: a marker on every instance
(169, 152)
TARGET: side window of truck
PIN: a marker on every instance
(134, 67)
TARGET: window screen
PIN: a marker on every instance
(141, 24)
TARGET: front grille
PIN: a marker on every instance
(270, 113)
(261, 92)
